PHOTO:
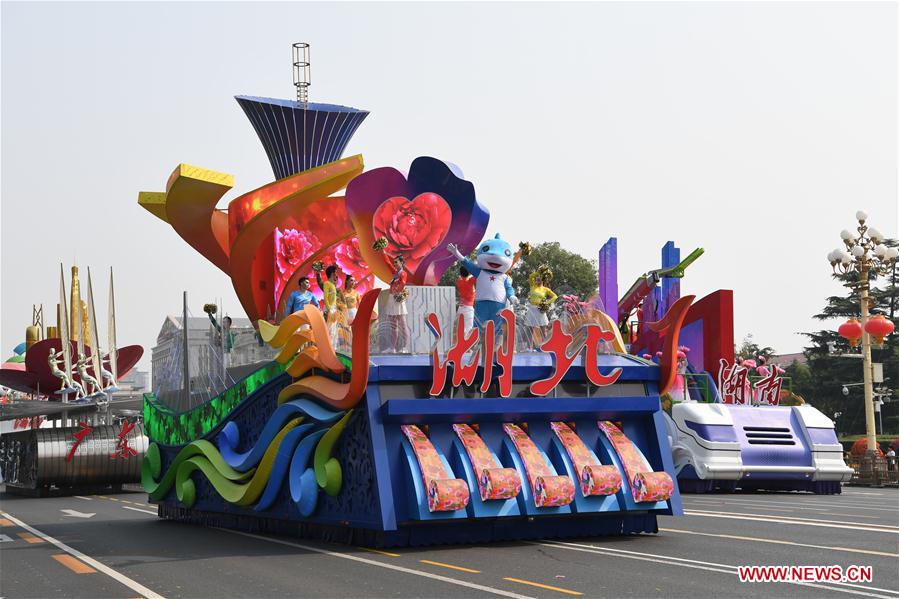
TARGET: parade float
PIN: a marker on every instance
(726, 423)
(63, 434)
(384, 419)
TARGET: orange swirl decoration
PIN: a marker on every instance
(241, 241)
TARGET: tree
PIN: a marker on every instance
(572, 273)
(750, 350)
(828, 372)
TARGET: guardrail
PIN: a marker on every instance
(874, 471)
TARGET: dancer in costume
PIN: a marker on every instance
(347, 303)
(298, 299)
(540, 300)
(396, 310)
(494, 287)
(225, 330)
(465, 286)
(329, 300)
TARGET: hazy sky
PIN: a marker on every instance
(754, 130)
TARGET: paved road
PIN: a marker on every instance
(123, 551)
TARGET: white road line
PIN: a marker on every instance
(137, 509)
(778, 542)
(371, 562)
(712, 567)
(80, 497)
(801, 522)
(131, 584)
(820, 504)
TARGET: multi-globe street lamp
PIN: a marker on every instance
(865, 254)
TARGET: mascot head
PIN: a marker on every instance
(495, 254)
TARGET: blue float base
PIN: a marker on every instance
(414, 534)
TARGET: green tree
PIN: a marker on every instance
(750, 350)
(828, 372)
(572, 273)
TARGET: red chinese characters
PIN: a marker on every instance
(465, 372)
(123, 450)
(558, 343)
(736, 388)
(767, 390)
(489, 355)
(79, 436)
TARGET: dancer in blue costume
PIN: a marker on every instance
(494, 287)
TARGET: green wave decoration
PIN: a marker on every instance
(167, 427)
(152, 464)
(328, 473)
(203, 456)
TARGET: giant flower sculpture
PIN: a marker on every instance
(417, 215)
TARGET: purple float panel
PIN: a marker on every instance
(691, 336)
(770, 436)
(608, 277)
(670, 286)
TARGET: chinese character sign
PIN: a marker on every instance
(79, 436)
(488, 354)
(123, 449)
(735, 387)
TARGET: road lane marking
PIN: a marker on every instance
(802, 522)
(29, 538)
(5, 522)
(450, 566)
(75, 565)
(77, 514)
(6, 539)
(712, 567)
(371, 562)
(131, 584)
(779, 542)
(797, 503)
(137, 509)
(543, 586)
(387, 553)
(82, 497)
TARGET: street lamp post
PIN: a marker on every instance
(865, 254)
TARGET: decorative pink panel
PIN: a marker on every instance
(494, 482)
(594, 478)
(445, 494)
(548, 489)
(646, 485)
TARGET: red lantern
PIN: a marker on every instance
(879, 327)
(851, 330)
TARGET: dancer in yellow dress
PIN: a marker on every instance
(347, 304)
(540, 300)
(329, 299)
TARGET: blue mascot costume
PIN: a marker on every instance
(494, 287)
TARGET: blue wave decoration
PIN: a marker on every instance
(279, 469)
(303, 488)
(229, 438)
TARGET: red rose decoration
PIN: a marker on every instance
(349, 258)
(412, 228)
(292, 247)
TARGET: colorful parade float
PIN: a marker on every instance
(385, 419)
(61, 432)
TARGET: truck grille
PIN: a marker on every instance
(768, 435)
